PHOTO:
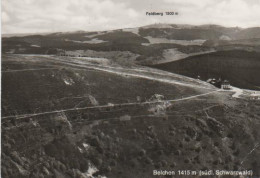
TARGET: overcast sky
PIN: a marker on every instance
(31, 16)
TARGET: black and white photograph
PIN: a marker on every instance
(130, 89)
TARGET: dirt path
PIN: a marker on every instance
(133, 73)
(106, 106)
(144, 73)
(24, 70)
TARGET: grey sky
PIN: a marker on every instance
(30, 16)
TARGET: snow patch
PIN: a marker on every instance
(80, 150)
(255, 95)
(156, 97)
(96, 34)
(159, 25)
(68, 81)
(237, 91)
(93, 100)
(11, 51)
(146, 44)
(174, 55)
(99, 60)
(133, 30)
(152, 40)
(95, 41)
(209, 80)
(92, 170)
(36, 46)
(125, 118)
(110, 104)
(225, 38)
(160, 108)
(92, 41)
(86, 146)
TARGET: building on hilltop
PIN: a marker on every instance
(225, 85)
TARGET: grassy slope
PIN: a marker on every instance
(241, 68)
(114, 41)
(182, 138)
(44, 90)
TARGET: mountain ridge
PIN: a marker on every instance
(158, 25)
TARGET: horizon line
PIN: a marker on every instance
(113, 29)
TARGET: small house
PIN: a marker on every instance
(225, 85)
(255, 96)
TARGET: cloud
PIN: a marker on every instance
(5, 17)
(64, 15)
(26, 16)
(243, 13)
